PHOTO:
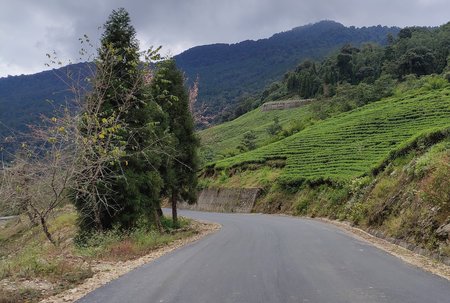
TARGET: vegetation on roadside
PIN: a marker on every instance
(372, 148)
(31, 268)
(130, 145)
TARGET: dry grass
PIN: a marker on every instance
(31, 268)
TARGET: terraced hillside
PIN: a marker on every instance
(352, 144)
(227, 136)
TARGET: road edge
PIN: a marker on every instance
(423, 262)
(109, 271)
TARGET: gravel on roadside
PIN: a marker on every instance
(400, 252)
(108, 271)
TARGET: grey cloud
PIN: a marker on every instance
(29, 28)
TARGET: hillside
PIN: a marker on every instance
(222, 140)
(225, 71)
(355, 143)
(228, 72)
(23, 99)
(384, 167)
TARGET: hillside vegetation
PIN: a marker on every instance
(384, 167)
(230, 72)
(31, 268)
(222, 140)
(355, 143)
(225, 72)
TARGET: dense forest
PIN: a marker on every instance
(230, 73)
(356, 75)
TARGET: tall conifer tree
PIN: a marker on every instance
(134, 190)
(179, 170)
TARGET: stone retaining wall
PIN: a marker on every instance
(287, 104)
(238, 200)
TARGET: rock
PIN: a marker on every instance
(444, 231)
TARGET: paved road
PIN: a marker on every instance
(261, 258)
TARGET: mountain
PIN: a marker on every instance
(228, 72)
(25, 99)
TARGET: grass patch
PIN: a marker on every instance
(116, 245)
(262, 177)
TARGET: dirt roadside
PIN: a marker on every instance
(108, 271)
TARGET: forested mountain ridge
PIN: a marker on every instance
(26, 97)
(226, 72)
(229, 72)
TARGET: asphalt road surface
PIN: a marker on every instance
(262, 258)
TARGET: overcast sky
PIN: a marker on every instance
(31, 28)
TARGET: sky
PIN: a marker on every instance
(29, 29)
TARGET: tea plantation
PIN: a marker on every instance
(227, 136)
(355, 143)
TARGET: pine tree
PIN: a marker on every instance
(133, 187)
(180, 167)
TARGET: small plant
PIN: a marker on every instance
(434, 82)
(275, 127)
(248, 142)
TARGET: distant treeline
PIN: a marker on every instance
(362, 74)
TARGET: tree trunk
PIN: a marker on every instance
(159, 211)
(158, 220)
(31, 217)
(174, 210)
(46, 232)
(98, 221)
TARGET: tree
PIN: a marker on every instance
(275, 127)
(179, 170)
(418, 61)
(248, 141)
(121, 120)
(36, 182)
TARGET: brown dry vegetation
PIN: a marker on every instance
(31, 268)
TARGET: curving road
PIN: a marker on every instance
(262, 258)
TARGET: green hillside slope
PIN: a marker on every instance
(354, 143)
(220, 140)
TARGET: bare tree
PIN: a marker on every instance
(197, 112)
(37, 180)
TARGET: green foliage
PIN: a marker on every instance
(248, 141)
(129, 187)
(355, 76)
(221, 141)
(275, 127)
(228, 74)
(353, 144)
(139, 240)
(179, 171)
(429, 160)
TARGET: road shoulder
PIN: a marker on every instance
(426, 263)
(108, 271)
